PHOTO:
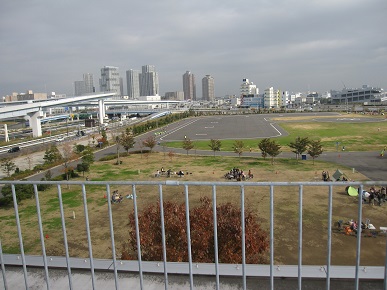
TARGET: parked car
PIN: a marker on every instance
(14, 149)
(60, 139)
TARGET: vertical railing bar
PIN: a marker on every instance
(88, 235)
(19, 235)
(112, 234)
(65, 236)
(271, 237)
(243, 236)
(163, 236)
(358, 238)
(329, 245)
(3, 267)
(215, 236)
(41, 235)
(300, 237)
(385, 269)
(137, 236)
(188, 236)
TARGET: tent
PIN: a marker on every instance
(351, 191)
(337, 175)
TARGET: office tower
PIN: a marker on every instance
(149, 81)
(133, 83)
(208, 88)
(84, 87)
(110, 80)
(189, 86)
(79, 88)
(89, 83)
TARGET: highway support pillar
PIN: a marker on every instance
(35, 123)
(6, 137)
(101, 109)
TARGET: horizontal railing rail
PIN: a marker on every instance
(217, 269)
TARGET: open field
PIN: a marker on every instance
(354, 131)
(143, 167)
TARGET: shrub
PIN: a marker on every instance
(202, 234)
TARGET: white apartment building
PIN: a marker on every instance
(271, 98)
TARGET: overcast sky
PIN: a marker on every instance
(294, 45)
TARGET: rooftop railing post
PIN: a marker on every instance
(88, 235)
(163, 236)
(19, 235)
(137, 236)
(216, 249)
(243, 237)
(65, 237)
(112, 235)
(271, 237)
(329, 245)
(3, 267)
(188, 237)
(41, 235)
(300, 237)
(358, 237)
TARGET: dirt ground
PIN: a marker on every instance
(143, 167)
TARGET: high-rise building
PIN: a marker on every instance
(189, 86)
(79, 88)
(89, 83)
(133, 83)
(84, 87)
(208, 88)
(110, 80)
(149, 81)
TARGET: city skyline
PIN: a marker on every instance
(311, 45)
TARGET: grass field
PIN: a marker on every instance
(143, 166)
(355, 136)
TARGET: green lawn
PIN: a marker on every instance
(354, 136)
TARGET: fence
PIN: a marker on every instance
(245, 192)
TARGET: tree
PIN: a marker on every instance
(299, 145)
(273, 149)
(149, 142)
(202, 234)
(263, 145)
(315, 149)
(52, 155)
(78, 148)
(117, 138)
(187, 144)
(83, 167)
(238, 147)
(215, 145)
(127, 140)
(68, 156)
(8, 166)
(88, 155)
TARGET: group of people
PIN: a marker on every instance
(168, 173)
(116, 197)
(374, 196)
(238, 174)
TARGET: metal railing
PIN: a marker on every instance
(114, 265)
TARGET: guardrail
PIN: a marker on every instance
(217, 269)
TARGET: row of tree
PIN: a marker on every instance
(267, 146)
